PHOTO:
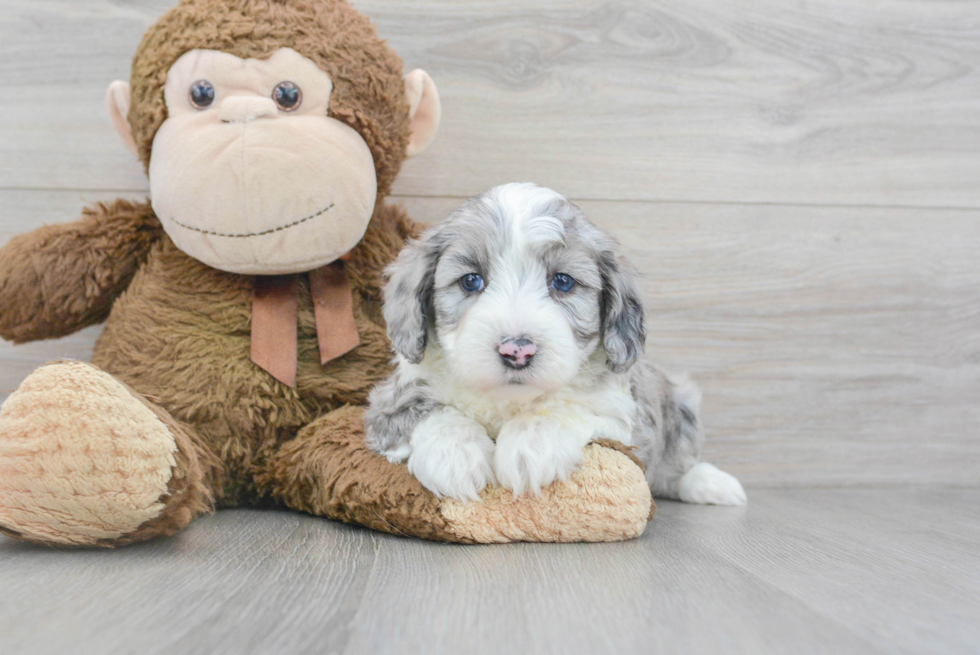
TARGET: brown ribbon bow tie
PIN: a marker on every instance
(274, 319)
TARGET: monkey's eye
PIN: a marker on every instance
(472, 283)
(202, 94)
(288, 96)
(562, 282)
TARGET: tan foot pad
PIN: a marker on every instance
(82, 459)
(607, 499)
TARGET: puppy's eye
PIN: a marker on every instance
(562, 282)
(202, 94)
(472, 283)
(288, 96)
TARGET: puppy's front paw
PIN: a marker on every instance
(532, 453)
(705, 484)
(452, 456)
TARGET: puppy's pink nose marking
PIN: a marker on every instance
(517, 353)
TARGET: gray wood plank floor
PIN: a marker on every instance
(797, 571)
(797, 182)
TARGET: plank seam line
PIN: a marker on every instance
(649, 201)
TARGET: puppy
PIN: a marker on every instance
(518, 333)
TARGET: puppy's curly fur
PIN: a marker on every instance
(521, 264)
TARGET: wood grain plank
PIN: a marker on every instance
(58, 57)
(871, 560)
(797, 571)
(834, 346)
(803, 571)
(653, 595)
(816, 101)
(824, 101)
(233, 583)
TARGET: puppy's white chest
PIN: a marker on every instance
(490, 413)
(607, 414)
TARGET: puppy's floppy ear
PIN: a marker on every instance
(408, 295)
(623, 334)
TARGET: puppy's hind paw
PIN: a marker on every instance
(706, 484)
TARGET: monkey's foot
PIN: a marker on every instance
(329, 470)
(606, 499)
(85, 461)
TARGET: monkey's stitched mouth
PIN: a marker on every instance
(245, 235)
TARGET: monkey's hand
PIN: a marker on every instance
(62, 278)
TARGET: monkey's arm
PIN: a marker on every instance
(61, 278)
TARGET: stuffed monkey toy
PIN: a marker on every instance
(242, 302)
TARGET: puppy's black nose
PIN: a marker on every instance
(517, 353)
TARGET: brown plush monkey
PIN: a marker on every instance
(243, 326)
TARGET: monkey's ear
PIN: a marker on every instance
(117, 101)
(424, 110)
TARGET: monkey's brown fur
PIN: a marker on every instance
(178, 332)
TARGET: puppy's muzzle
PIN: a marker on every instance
(517, 353)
